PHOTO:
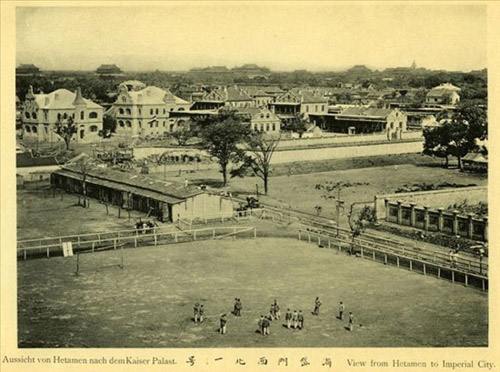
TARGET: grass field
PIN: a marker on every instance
(149, 303)
(298, 191)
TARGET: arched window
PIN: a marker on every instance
(120, 123)
(129, 124)
(274, 127)
(151, 111)
(140, 111)
(93, 128)
(65, 116)
(120, 110)
(27, 128)
(267, 127)
(151, 125)
(140, 124)
(82, 115)
(181, 109)
(33, 115)
(267, 115)
(34, 129)
(171, 127)
(128, 111)
(171, 109)
(59, 116)
(164, 111)
(27, 114)
(157, 111)
(163, 123)
(93, 115)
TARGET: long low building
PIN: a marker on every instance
(168, 201)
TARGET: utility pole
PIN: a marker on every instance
(339, 204)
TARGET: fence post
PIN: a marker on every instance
(466, 280)
(439, 272)
(483, 283)
(373, 254)
(397, 261)
(329, 243)
(362, 255)
(114, 243)
(309, 236)
(156, 237)
(213, 233)
(319, 240)
(48, 253)
(255, 232)
(385, 258)
(24, 254)
(411, 265)
(78, 241)
(425, 273)
(300, 237)
(93, 247)
(453, 276)
(99, 237)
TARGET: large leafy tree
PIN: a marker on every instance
(259, 152)
(222, 136)
(296, 124)
(66, 128)
(459, 134)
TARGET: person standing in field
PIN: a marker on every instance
(277, 312)
(201, 312)
(266, 325)
(317, 304)
(295, 320)
(223, 321)
(196, 310)
(351, 321)
(288, 318)
(261, 325)
(300, 319)
(341, 310)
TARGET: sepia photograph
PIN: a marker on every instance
(251, 175)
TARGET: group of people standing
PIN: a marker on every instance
(294, 320)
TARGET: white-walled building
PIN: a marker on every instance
(146, 111)
(41, 112)
(443, 95)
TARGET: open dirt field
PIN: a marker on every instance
(149, 303)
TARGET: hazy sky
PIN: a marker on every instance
(314, 36)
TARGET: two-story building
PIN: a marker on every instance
(443, 95)
(354, 120)
(262, 119)
(296, 102)
(146, 111)
(231, 96)
(41, 112)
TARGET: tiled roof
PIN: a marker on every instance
(152, 95)
(61, 99)
(169, 189)
(371, 112)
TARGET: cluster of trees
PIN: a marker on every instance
(237, 149)
(458, 134)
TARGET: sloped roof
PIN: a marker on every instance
(438, 92)
(371, 112)
(231, 93)
(174, 190)
(476, 157)
(152, 95)
(61, 99)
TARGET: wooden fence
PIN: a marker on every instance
(390, 257)
(48, 247)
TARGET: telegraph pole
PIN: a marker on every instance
(339, 204)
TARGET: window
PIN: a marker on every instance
(274, 127)
(121, 111)
(316, 108)
(93, 128)
(93, 115)
(151, 125)
(267, 116)
(34, 129)
(322, 107)
(27, 128)
(46, 115)
(65, 116)
(59, 116)
(164, 111)
(157, 111)
(27, 114)
(140, 111)
(82, 115)
(151, 112)
(171, 127)
(140, 124)
(129, 124)
(33, 115)
(267, 127)
(120, 123)
(128, 111)
(163, 123)
(171, 109)
(181, 109)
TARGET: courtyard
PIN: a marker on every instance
(149, 303)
